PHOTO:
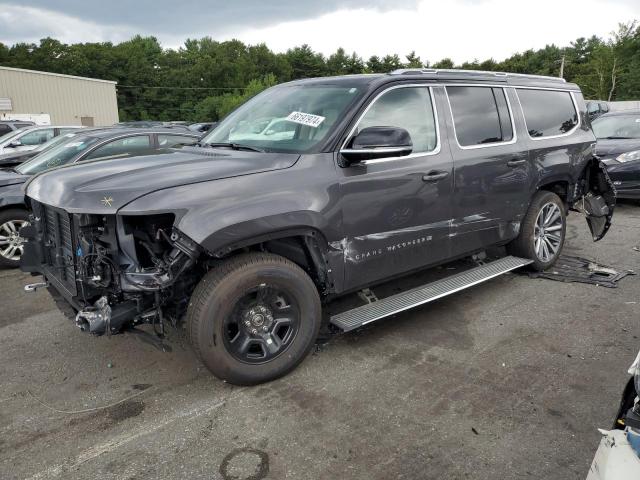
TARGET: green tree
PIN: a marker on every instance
(413, 60)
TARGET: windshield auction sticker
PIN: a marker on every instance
(308, 119)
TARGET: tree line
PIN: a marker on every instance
(206, 79)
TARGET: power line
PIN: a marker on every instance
(182, 88)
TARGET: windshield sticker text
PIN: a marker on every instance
(308, 119)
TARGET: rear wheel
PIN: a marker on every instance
(11, 244)
(542, 231)
(254, 318)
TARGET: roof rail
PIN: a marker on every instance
(418, 71)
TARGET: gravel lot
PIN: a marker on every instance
(509, 379)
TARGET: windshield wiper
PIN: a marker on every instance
(234, 146)
(618, 138)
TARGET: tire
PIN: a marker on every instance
(552, 240)
(237, 318)
(11, 221)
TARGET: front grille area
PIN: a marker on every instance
(58, 245)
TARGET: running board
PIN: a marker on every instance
(359, 316)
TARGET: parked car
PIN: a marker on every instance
(153, 124)
(29, 138)
(595, 108)
(81, 146)
(8, 126)
(140, 124)
(16, 158)
(618, 456)
(384, 175)
(203, 126)
(618, 135)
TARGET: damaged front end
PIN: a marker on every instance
(115, 271)
(595, 196)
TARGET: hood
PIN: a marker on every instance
(8, 177)
(612, 148)
(104, 186)
(16, 158)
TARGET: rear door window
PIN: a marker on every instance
(548, 113)
(480, 115)
(122, 146)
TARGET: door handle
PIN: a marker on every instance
(516, 163)
(434, 176)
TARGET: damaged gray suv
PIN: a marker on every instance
(313, 190)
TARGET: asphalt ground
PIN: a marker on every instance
(508, 379)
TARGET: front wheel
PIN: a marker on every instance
(254, 318)
(11, 244)
(542, 231)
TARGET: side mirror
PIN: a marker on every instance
(378, 142)
(15, 144)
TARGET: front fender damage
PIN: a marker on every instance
(594, 195)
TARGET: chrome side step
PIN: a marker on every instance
(359, 316)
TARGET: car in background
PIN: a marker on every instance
(8, 126)
(140, 124)
(595, 108)
(16, 158)
(202, 126)
(29, 138)
(95, 144)
(618, 135)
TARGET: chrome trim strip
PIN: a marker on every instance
(572, 131)
(436, 119)
(513, 140)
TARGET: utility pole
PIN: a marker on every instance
(562, 67)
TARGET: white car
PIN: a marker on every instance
(277, 129)
(29, 138)
(618, 456)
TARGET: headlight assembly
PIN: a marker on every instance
(629, 156)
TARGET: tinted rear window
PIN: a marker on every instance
(480, 115)
(548, 113)
(4, 129)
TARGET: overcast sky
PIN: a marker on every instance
(460, 29)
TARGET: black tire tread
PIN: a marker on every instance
(216, 276)
(522, 246)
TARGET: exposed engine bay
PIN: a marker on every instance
(117, 270)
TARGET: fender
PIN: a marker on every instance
(326, 261)
(12, 196)
(231, 213)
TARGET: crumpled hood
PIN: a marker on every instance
(7, 177)
(612, 148)
(104, 186)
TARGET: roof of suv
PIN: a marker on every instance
(444, 75)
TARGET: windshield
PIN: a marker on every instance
(8, 136)
(54, 141)
(292, 118)
(618, 126)
(60, 154)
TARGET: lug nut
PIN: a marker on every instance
(265, 328)
(247, 323)
(254, 331)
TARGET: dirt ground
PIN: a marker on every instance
(509, 379)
